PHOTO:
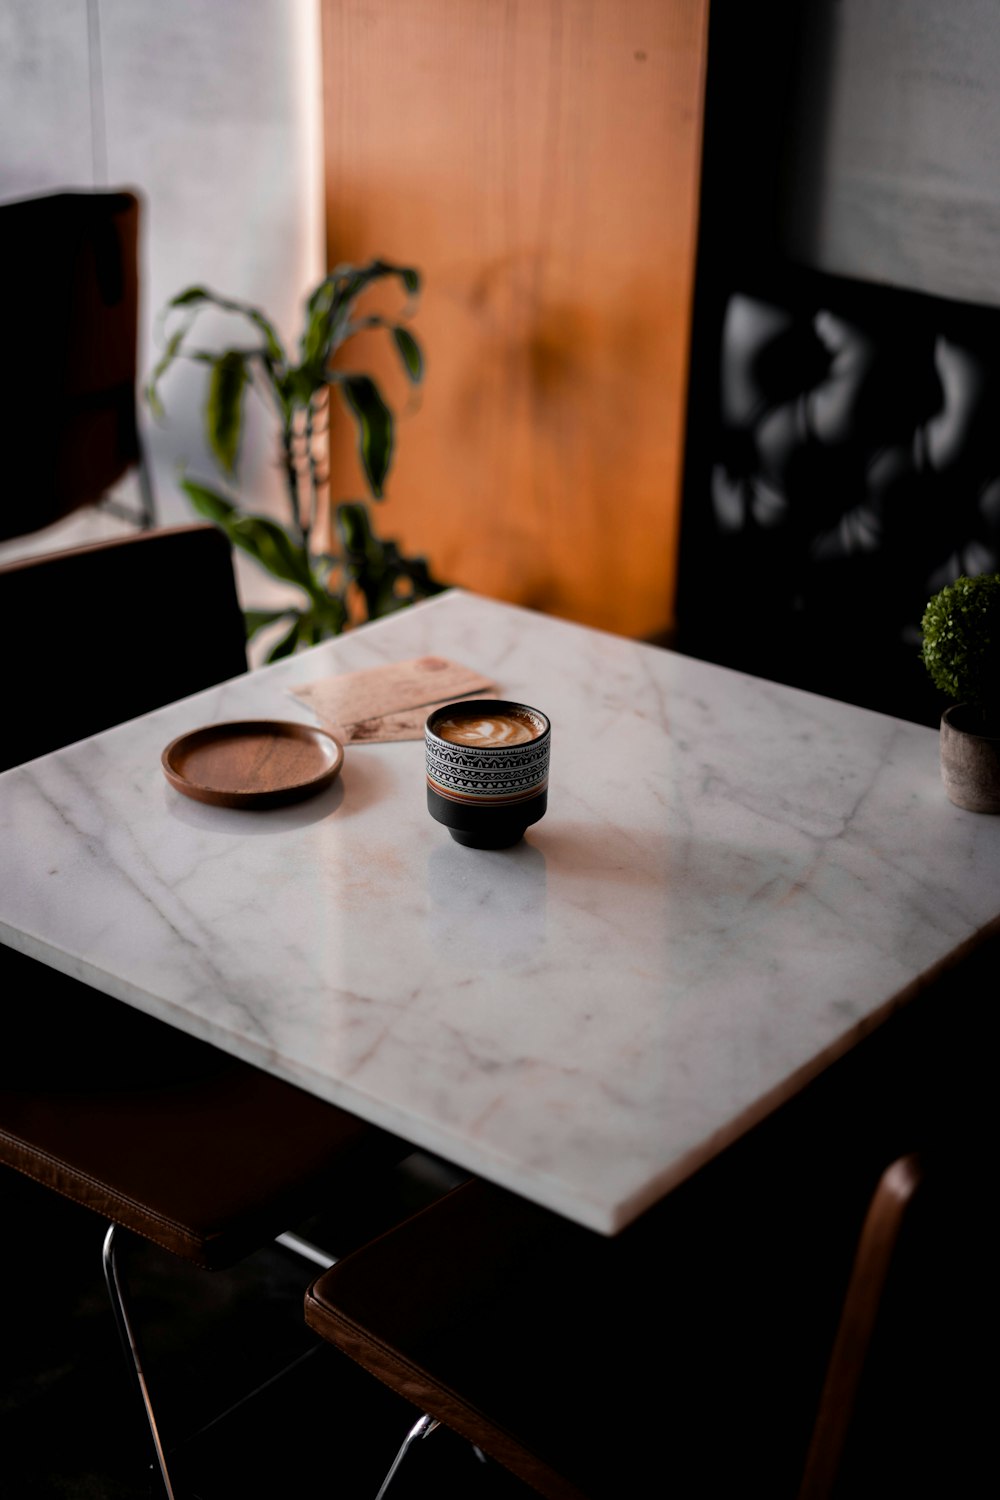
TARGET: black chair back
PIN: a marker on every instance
(843, 465)
(100, 634)
(69, 265)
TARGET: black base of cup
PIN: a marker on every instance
(484, 840)
(479, 827)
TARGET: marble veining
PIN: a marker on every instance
(732, 878)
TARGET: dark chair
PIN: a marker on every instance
(843, 464)
(682, 1356)
(877, 1248)
(906, 1406)
(666, 1363)
(841, 459)
(657, 1362)
(160, 1134)
(691, 1353)
(117, 628)
(69, 263)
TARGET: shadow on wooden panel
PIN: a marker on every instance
(539, 164)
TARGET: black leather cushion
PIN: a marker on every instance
(844, 464)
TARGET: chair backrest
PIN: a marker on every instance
(906, 1408)
(894, 1196)
(100, 634)
(69, 264)
(681, 1356)
(843, 465)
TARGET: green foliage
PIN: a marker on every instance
(366, 568)
(374, 421)
(961, 642)
(224, 413)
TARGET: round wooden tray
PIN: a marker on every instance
(252, 762)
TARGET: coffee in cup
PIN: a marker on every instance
(487, 770)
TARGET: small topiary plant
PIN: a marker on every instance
(961, 645)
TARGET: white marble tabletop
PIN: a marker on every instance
(733, 880)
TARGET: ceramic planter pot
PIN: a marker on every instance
(970, 762)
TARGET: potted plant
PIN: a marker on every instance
(333, 555)
(961, 651)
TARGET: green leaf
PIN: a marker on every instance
(209, 503)
(368, 562)
(302, 383)
(258, 536)
(275, 350)
(274, 549)
(162, 366)
(361, 325)
(354, 528)
(410, 353)
(288, 642)
(375, 270)
(190, 296)
(425, 585)
(322, 295)
(329, 306)
(257, 619)
(332, 614)
(388, 580)
(324, 320)
(326, 619)
(193, 295)
(224, 409)
(374, 421)
(351, 281)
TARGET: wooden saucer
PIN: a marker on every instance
(252, 762)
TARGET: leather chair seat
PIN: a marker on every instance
(160, 1133)
(674, 1358)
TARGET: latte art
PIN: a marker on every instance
(487, 730)
(487, 762)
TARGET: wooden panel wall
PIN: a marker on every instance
(538, 161)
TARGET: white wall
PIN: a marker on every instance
(897, 144)
(212, 110)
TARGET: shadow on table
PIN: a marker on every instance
(487, 904)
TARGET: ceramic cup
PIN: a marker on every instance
(487, 770)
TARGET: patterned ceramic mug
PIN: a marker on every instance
(487, 770)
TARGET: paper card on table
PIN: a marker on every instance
(407, 725)
(355, 698)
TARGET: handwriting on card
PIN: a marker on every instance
(389, 702)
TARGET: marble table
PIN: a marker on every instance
(734, 881)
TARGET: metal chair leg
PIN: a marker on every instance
(306, 1249)
(147, 512)
(143, 515)
(420, 1429)
(119, 1304)
(126, 1329)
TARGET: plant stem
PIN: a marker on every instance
(292, 481)
(313, 477)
